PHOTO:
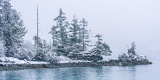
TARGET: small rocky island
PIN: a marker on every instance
(132, 58)
(70, 46)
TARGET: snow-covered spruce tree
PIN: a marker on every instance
(62, 24)
(42, 50)
(39, 49)
(74, 31)
(12, 29)
(55, 35)
(101, 48)
(59, 34)
(131, 51)
(84, 34)
(45, 46)
(74, 42)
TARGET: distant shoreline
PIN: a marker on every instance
(4, 67)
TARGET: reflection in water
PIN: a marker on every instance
(99, 73)
(128, 72)
(39, 73)
(122, 73)
(81, 73)
(69, 73)
(132, 71)
(76, 73)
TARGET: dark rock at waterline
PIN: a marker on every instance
(132, 62)
(80, 64)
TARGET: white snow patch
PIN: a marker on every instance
(107, 58)
(63, 59)
(78, 61)
(38, 62)
(11, 60)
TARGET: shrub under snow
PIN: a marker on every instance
(27, 51)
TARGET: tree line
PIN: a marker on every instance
(69, 39)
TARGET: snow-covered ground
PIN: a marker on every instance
(11, 60)
(37, 62)
(107, 58)
(63, 59)
(60, 59)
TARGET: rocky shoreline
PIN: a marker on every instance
(64, 65)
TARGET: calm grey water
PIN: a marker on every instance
(142, 72)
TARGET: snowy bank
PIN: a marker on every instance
(63, 59)
(11, 60)
(60, 59)
(10, 63)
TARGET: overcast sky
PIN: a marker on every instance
(119, 21)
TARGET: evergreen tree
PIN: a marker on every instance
(74, 30)
(131, 51)
(75, 46)
(99, 41)
(37, 42)
(62, 25)
(11, 28)
(84, 34)
(59, 34)
(98, 48)
(55, 35)
(46, 47)
(101, 48)
(39, 49)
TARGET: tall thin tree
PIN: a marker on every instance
(85, 34)
(59, 33)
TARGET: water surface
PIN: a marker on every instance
(141, 72)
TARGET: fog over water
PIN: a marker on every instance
(119, 21)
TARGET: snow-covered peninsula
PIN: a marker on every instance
(71, 45)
